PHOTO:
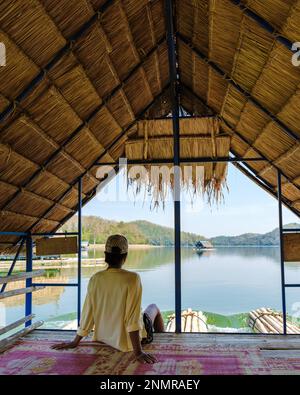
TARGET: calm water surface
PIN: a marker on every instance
(224, 281)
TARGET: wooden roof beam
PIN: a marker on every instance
(54, 144)
(282, 157)
(296, 203)
(151, 24)
(117, 78)
(239, 135)
(91, 116)
(263, 23)
(106, 151)
(43, 134)
(55, 59)
(246, 94)
(109, 49)
(23, 187)
(27, 217)
(34, 195)
(85, 200)
(134, 49)
(113, 71)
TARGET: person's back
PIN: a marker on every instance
(112, 306)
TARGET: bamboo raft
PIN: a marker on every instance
(268, 321)
(191, 321)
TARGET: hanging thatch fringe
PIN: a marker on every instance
(199, 139)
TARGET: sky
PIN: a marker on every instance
(246, 208)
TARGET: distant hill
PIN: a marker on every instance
(252, 239)
(138, 232)
(96, 229)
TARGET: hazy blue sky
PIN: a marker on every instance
(247, 208)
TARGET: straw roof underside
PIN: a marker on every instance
(261, 66)
(92, 85)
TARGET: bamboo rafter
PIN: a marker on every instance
(104, 102)
(122, 134)
(247, 95)
(239, 135)
(278, 36)
(151, 24)
(55, 59)
(236, 133)
(52, 141)
(134, 49)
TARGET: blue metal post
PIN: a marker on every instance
(279, 192)
(176, 133)
(79, 249)
(28, 296)
(13, 263)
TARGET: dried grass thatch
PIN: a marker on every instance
(199, 138)
(81, 74)
(260, 65)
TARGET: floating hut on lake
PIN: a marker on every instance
(158, 82)
(203, 245)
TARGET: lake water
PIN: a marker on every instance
(225, 281)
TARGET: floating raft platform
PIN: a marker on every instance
(191, 321)
(265, 320)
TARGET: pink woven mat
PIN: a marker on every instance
(31, 357)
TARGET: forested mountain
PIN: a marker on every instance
(96, 229)
(138, 232)
(252, 239)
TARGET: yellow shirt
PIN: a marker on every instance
(113, 308)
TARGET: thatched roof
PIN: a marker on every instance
(80, 74)
(200, 137)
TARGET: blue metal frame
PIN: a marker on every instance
(55, 234)
(79, 256)
(4, 233)
(282, 271)
(29, 259)
(176, 144)
(284, 285)
(292, 285)
(79, 250)
(282, 261)
(27, 236)
(13, 263)
(55, 284)
(28, 296)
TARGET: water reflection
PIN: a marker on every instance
(142, 259)
(224, 280)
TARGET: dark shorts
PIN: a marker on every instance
(149, 329)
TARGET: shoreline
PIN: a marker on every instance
(131, 246)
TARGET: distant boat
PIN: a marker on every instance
(203, 245)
